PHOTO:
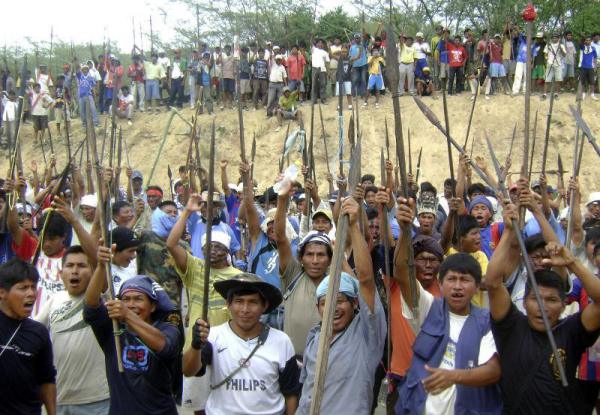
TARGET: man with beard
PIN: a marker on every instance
(190, 270)
(81, 378)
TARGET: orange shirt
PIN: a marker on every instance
(295, 65)
(402, 333)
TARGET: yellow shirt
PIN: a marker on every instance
(193, 279)
(408, 54)
(506, 49)
(374, 62)
(434, 43)
(480, 298)
(154, 71)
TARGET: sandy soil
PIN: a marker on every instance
(496, 116)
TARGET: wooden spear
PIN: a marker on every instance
(447, 123)
(383, 235)
(209, 220)
(393, 77)
(529, 269)
(331, 296)
(535, 120)
(91, 134)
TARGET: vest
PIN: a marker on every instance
(429, 348)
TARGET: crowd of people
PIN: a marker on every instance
(281, 78)
(453, 327)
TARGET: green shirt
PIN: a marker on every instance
(289, 103)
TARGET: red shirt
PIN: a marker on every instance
(495, 52)
(136, 72)
(295, 65)
(457, 55)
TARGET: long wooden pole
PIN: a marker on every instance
(335, 271)
(209, 220)
(91, 134)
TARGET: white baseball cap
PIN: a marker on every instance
(594, 197)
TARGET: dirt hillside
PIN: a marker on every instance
(496, 116)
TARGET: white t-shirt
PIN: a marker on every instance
(122, 274)
(50, 282)
(79, 361)
(254, 389)
(318, 59)
(555, 53)
(44, 80)
(422, 49)
(443, 403)
(164, 62)
(278, 73)
(11, 109)
(40, 103)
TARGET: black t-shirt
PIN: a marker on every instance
(344, 72)
(530, 381)
(26, 364)
(145, 386)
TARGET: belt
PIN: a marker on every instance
(406, 63)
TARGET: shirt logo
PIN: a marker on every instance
(221, 349)
(135, 358)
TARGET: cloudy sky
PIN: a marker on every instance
(76, 20)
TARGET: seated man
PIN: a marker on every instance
(455, 364)
(358, 330)
(425, 84)
(124, 105)
(530, 377)
(150, 339)
(288, 110)
(254, 369)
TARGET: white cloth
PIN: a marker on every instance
(122, 274)
(443, 403)
(318, 59)
(278, 73)
(196, 390)
(44, 80)
(555, 53)
(11, 110)
(422, 49)
(255, 388)
(40, 103)
(164, 62)
(50, 282)
(79, 361)
(176, 71)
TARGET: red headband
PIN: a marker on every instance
(154, 192)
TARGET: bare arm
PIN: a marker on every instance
(483, 375)
(48, 397)
(224, 180)
(405, 216)
(578, 233)
(248, 206)
(283, 244)
(362, 257)
(502, 262)
(177, 251)
(97, 284)
(152, 337)
(291, 404)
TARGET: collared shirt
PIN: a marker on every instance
(407, 55)
(319, 59)
(277, 74)
(154, 71)
(421, 49)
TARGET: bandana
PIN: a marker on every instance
(315, 236)
(155, 292)
(219, 237)
(481, 200)
(162, 223)
(424, 243)
(348, 286)
(154, 192)
(89, 200)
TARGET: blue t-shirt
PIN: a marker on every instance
(197, 227)
(260, 69)
(355, 52)
(266, 265)
(6, 252)
(522, 50)
(587, 57)
(86, 84)
(441, 46)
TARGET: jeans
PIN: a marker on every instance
(139, 94)
(259, 87)
(275, 92)
(94, 408)
(455, 72)
(83, 112)
(359, 80)
(406, 72)
(192, 86)
(176, 90)
(319, 81)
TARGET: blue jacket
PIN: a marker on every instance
(429, 348)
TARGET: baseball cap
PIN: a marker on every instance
(326, 212)
(124, 238)
(594, 197)
(137, 175)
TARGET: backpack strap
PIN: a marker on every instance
(262, 338)
(266, 248)
(290, 288)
